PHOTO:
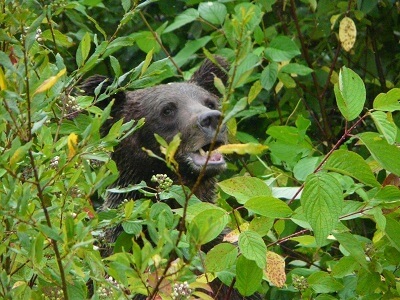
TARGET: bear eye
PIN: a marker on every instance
(168, 110)
(211, 105)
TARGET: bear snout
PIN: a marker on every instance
(208, 122)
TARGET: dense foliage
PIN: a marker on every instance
(311, 193)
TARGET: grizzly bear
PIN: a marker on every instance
(190, 108)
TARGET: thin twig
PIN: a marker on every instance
(159, 42)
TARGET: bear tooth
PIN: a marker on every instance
(202, 152)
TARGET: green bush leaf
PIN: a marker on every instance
(386, 155)
(388, 101)
(353, 246)
(350, 94)
(248, 276)
(208, 224)
(322, 282)
(252, 247)
(213, 12)
(294, 68)
(392, 232)
(83, 49)
(269, 76)
(182, 19)
(281, 48)
(322, 201)
(287, 80)
(387, 194)
(243, 188)
(351, 164)
(385, 125)
(221, 257)
(268, 207)
(189, 49)
(132, 227)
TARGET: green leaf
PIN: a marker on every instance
(221, 257)
(132, 227)
(244, 187)
(385, 125)
(282, 48)
(77, 289)
(388, 101)
(351, 164)
(353, 246)
(294, 68)
(322, 282)
(189, 49)
(386, 155)
(208, 224)
(287, 80)
(367, 282)
(392, 232)
(126, 5)
(213, 12)
(246, 18)
(128, 209)
(147, 61)
(39, 244)
(252, 247)
(182, 19)
(83, 50)
(147, 42)
(350, 94)
(268, 207)
(115, 66)
(322, 201)
(305, 167)
(387, 194)
(248, 276)
(50, 232)
(60, 38)
(344, 267)
(244, 70)
(269, 76)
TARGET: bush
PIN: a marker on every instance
(311, 194)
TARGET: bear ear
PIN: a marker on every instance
(204, 76)
(90, 85)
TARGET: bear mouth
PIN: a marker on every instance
(203, 156)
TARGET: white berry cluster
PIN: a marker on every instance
(38, 35)
(106, 291)
(71, 107)
(54, 162)
(164, 182)
(181, 291)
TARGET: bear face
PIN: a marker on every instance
(183, 108)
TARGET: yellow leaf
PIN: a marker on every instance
(249, 148)
(72, 143)
(233, 236)
(275, 270)
(347, 33)
(3, 85)
(19, 154)
(48, 83)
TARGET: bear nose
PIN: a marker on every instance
(209, 120)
